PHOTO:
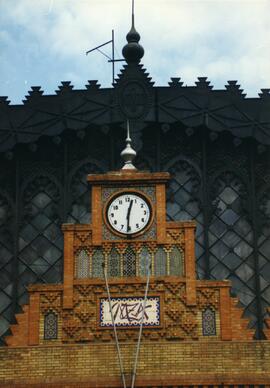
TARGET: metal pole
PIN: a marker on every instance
(113, 57)
(114, 329)
(141, 327)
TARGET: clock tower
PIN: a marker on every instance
(129, 274)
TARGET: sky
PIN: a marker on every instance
(43, 42)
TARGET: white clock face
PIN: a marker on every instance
(128, 213)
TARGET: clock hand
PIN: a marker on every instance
(128, 214)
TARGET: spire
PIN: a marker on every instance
(133, 51)
(128, 154)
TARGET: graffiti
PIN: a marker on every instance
(129, 311)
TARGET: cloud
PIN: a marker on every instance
(43, 41)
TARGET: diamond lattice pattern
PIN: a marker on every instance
(6, 258)
(40, 241)
(264, 251)
(231, 242)
(183, 204)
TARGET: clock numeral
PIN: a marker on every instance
(115, 207)
(144, 212)
(120, 202)
(142, 219)
(115, 222)
(127, 199)
(135, 200)
(129, 228)
(122, 226)
(137, 226)
(142, 205)
(112, 214)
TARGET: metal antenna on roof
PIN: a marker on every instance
(132, 13)
(111, 59)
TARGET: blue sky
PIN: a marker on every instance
(43, 42)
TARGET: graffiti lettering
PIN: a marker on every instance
(130, 311)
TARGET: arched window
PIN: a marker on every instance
(160, 262)
(50, 326)
(97, 263)
(144, 261)
(129, 262)
(114, 263)
(209, 322)
(82, 260)
(176, 262)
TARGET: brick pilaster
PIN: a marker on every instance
(68, 269)
(190, 265)
(161, 213)
(96, 215)
(33, 321)
(225, 314)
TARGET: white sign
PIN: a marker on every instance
(128, 311)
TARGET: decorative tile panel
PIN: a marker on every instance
(127, 312)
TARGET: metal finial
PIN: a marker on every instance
(133, 51)
(128, 154)
(132, 22)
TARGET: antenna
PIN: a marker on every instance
(132, 13)
(111, 59)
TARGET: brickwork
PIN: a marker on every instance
(160, 364)
(179, 319)
(197, 335)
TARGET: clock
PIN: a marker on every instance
(128, 213)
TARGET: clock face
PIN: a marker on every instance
(128, 213)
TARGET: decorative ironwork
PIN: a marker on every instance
(6, 259)
(209, 322)
(50, 326)
(264, 249)
(80, 207)
(231, 241)
(183, 204)
(41, 240)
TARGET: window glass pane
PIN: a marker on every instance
(80, 207)
(6, 258)
(231, 241)
(183, 204)
(41, 238)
